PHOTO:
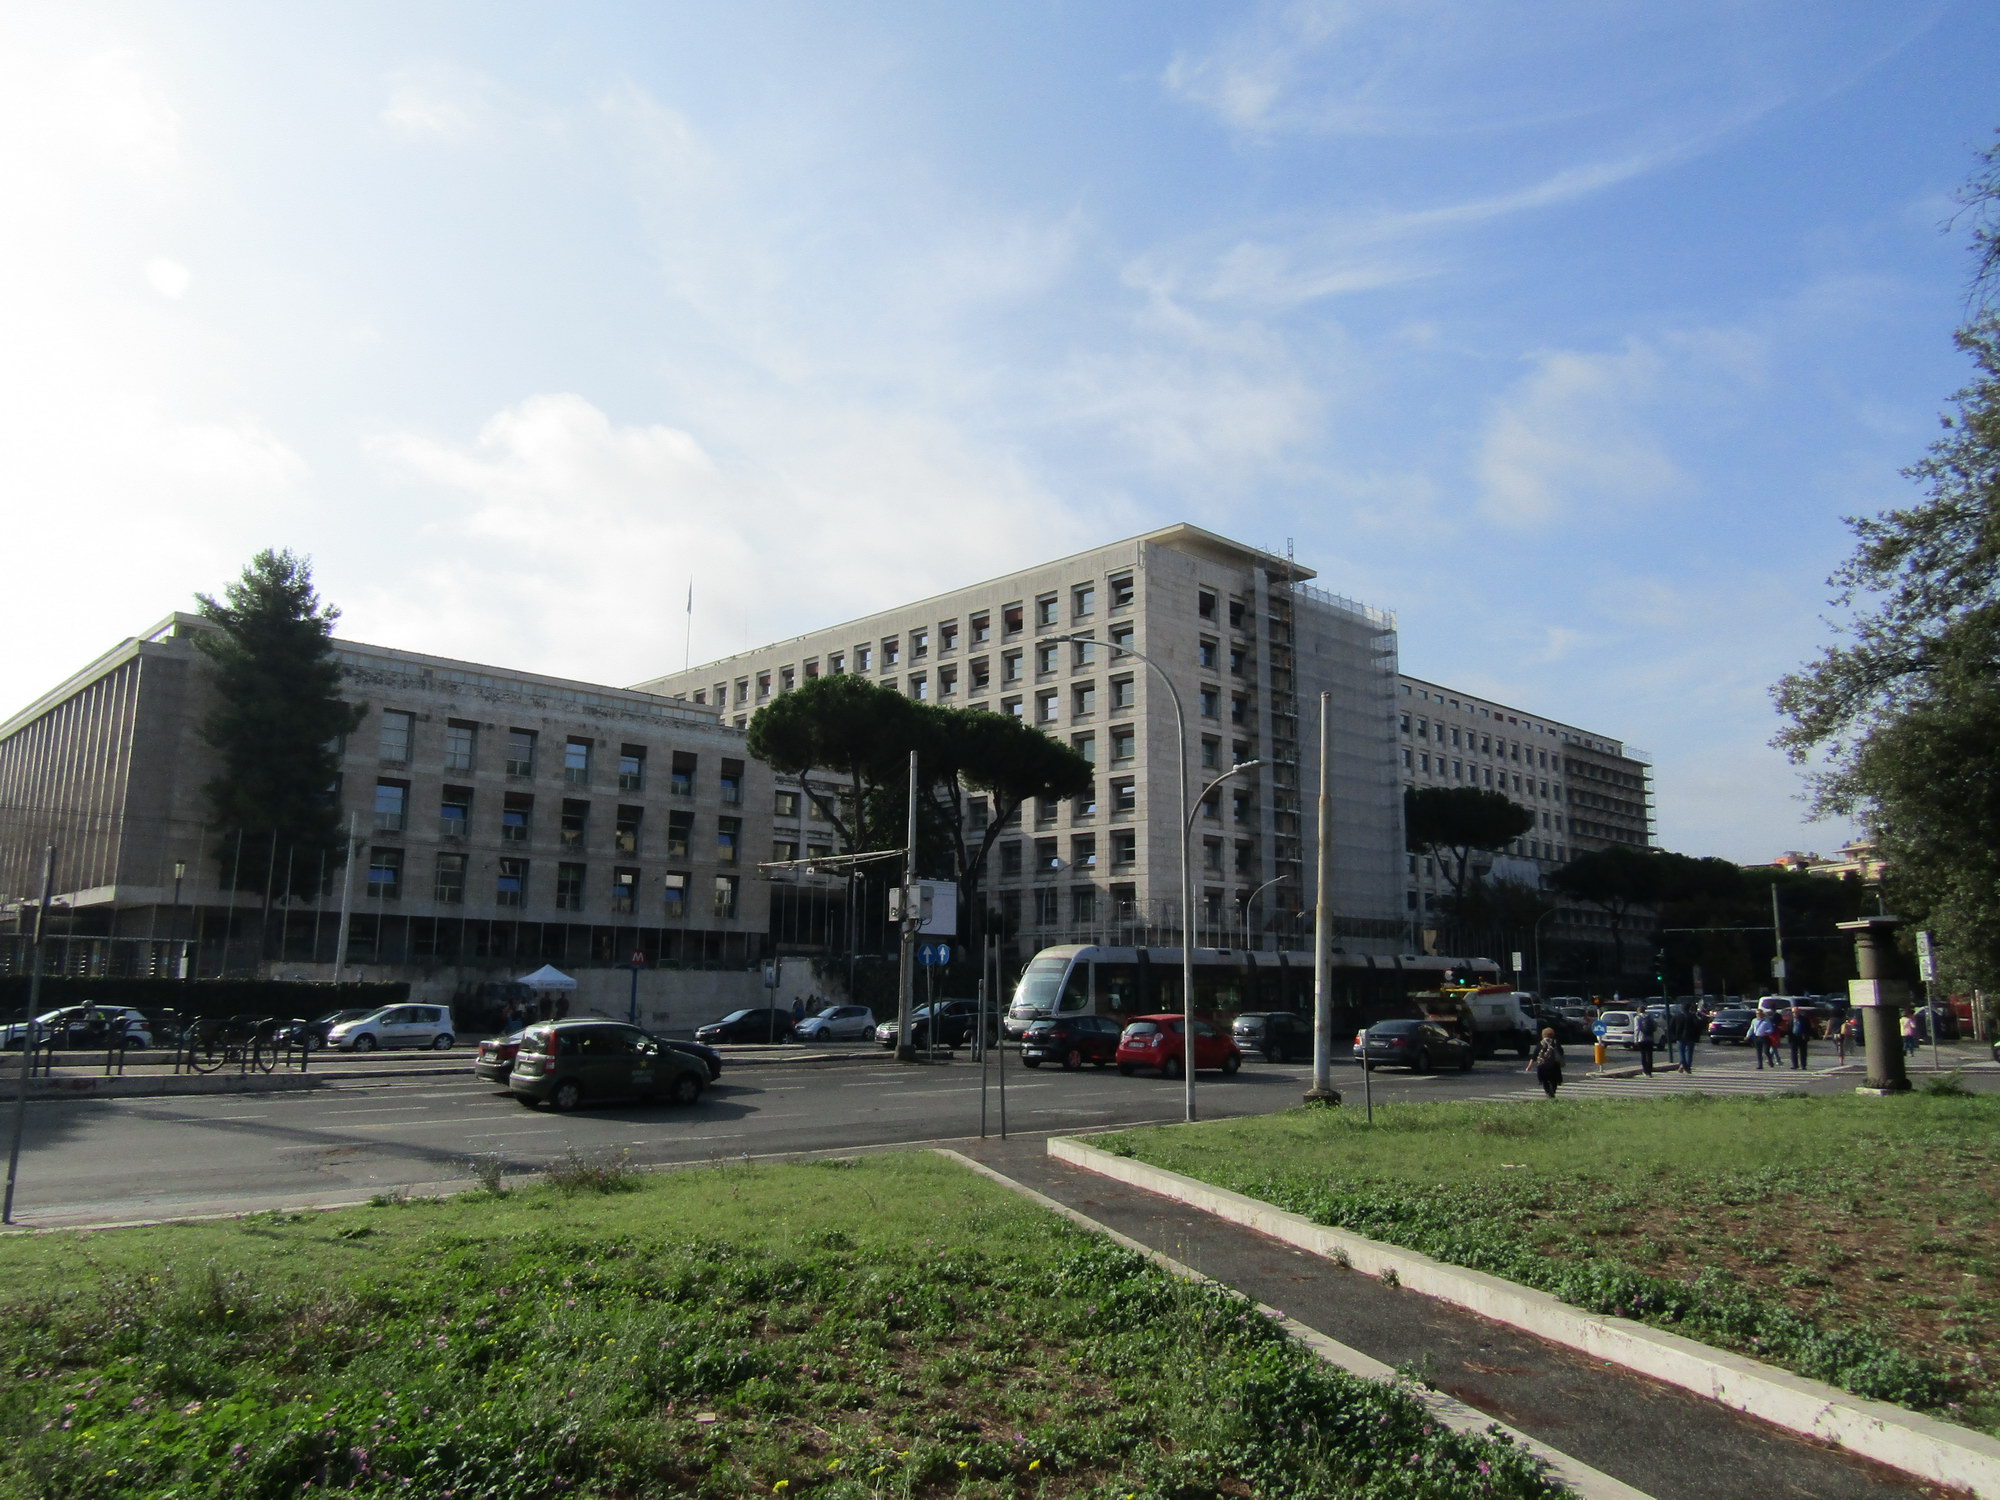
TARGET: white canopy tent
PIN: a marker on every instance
(547, 977)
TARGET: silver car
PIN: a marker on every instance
(837, 1023)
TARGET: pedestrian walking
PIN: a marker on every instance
(1643, 1028)
(1800, 1036)
(1910, 1036)
(1684, 1030)
(1546, 1063)
(798, 1009)
(1763, 1034)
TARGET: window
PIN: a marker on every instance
(1235, 614)
(1237, 660)
(981, 675)
(675, 892)
(1121, 638)
(624, 892)
(625, 833)
(576, 761)
(1245, 859)
(1122, 589)
(520, 752)
(812, 670)
(864, 659)
(455, 812)
(788, 678)
(510, 885)
(920, 687)
(569, 887)
(575, 823)
(1083, 601)
(1124, 795)
(1211, 854)
(385, 874)
(1046, 857)
(392, 806)
(836, 663)
(631, 768)
(1010, 859)
(1047, 658)
(1210, 702)
(1010, 909)
(1010, 667)
(1239, 708)
(786, 804)
(449, 885)
(1045, 706)
(1048, 908)
(978, 812)
(1085, 745)
(1082, 654)
(947, 682)
(1083, 903)
(1084, 698)
(784, 849)
(1011, 707)
(398, 730)
(728, 834)
(920, 643)
(725, 895)
(1211, 754)
(892, 652)
(461, 743)
(1124, 693)
(1124, 744)
(947, 637)
(1124, 848)
(680, 834)
(680, 776)
(516, 815)
(1204, 604)
(763, 686)
(1084, 808)
(732, 782)
(1045, 611)
(1083, 851)
(1045, 810)
(1205, 653)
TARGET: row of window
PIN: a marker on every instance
(1044, 905)
(511, 884)
(1497, 715)
(1458, 770)
(1473, 742)
(573, 821)
(396, 744)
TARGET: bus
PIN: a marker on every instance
(1089, 979)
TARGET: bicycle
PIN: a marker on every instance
(214, 1042)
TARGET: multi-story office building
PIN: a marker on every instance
(505, 819)
(1096, 648)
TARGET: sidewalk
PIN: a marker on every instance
(1660, 1439)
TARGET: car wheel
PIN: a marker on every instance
(567, 1095)
(442, 1042)
(1073, 1061)
(1031, 1062)
(1277, 1055)
(1174, 1068)
(684, 1089)
(1231, 1063)
(313, 1041)
(364, 1043)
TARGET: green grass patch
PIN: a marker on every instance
(1856, 1241)
(891, 1327)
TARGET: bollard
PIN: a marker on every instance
(1602, 1053)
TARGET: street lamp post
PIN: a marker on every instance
(1187, 859)
(1250, 900)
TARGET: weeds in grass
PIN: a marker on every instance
(598, 1171)
(1947, 1086)
(488, 1169)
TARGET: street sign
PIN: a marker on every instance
(1517, 960)
(934, 955)
(638, 959)
(1926, 958)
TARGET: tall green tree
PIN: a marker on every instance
(277, 724)
(1625, 884)
(1450, 822)
(1902, 719)
(850, 728)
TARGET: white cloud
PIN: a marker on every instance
(167, 277)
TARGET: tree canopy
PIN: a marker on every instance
(1901, 717)
(1450, 822)
(277, 724)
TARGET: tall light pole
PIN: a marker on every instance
(1187, 860)
(1250, 899)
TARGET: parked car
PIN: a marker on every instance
(565, 1064)
(957, 1020)
(1159, 1042)
(1731, 1026)
(1615, 1028)
(837, 1023)
(87, 1025)
(312, 1035)
(494, 1061)
(1279, 1034)
(763, 1023)
(1071, 1041)
(1584, 1017)
(1420, 1046)
(394, 1026)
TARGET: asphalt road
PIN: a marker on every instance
(115, 1160)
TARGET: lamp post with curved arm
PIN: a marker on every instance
(1250, 899)
(1187, 862)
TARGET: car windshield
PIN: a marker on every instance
(1616, 1018)
(1141, 1028)
(1040, 983)
(338, 1016)
(1395, 1028)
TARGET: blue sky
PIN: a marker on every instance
(1566, 330)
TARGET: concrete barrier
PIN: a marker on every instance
(1932, 1450)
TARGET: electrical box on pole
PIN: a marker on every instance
(933, 903)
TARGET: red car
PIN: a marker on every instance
(494, 1061)
(1159, 1042)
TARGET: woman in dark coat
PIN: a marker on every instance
(1547, 1062)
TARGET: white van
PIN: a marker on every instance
(395, 1026)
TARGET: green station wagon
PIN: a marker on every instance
(567, 1063)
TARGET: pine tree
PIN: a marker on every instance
(277, 726)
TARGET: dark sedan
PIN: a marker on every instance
(1278, 1034)
(1071, 1042)
(1731, 1026)
(1419, 1046)
(762, 1024)
(707, 1056)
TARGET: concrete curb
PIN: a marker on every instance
(1591, 1484)
(1955, 1457)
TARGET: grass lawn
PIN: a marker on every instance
(1853, 1240)
(894, 1326)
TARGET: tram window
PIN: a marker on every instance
(1076, 989)
(1118, 990)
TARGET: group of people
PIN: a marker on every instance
(1773, 1024)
